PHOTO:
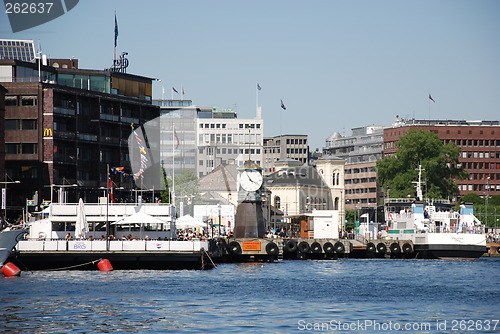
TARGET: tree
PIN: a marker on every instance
(187, 190)
(164, 194)
(473, 198)
(439, 163)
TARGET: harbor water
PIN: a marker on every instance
(336, 296)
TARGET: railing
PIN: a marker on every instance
(113, 245)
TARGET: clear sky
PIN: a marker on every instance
(335, 64)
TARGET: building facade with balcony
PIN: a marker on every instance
(64, 126)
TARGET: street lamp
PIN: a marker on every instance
(219, 207)
(4, 195)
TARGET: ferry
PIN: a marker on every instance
(129, 235)
(436, 231)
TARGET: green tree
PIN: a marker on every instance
(165, 194)
(187, 190)
(473, 198)
(439, 163)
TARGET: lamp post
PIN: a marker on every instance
(4, 195)
(219, 207)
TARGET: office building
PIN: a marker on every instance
(284, 147)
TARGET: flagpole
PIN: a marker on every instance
(257, 98)
(173, 163)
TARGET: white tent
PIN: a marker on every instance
(81, 225)
(188, 222)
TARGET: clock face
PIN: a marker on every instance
(251, 180)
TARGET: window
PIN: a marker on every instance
(11, 101)
(12, 124)
(29, 124)
(30, 100)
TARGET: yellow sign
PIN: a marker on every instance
(47, 132)
(251, 245)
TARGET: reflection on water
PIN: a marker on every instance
(250, 297)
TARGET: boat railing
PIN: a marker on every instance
(456, 229)
(61, 245)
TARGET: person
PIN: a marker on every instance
(68, 236)
(426, 214)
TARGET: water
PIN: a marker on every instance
(353, 295)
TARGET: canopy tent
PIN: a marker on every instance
(188, 222)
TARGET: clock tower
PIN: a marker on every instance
(249, 220)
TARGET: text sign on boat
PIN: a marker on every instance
(251, 245)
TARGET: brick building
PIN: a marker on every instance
(478, 140)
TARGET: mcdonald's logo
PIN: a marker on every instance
(47, 132)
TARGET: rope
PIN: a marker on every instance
(75, 266)
(210, 258)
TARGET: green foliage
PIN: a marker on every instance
(164, 194)
(472, 198)
(494, 200)
(187, 190)
(439, 163)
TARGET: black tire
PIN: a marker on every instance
(395, 248)
(339, 247)
(316, 247)
(234, 247)
(407, 249)
(370, 248)
(381, 248)
(304, 247)
(328, 248)
(272, 248)
(291, 246)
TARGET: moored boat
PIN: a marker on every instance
(8, 240)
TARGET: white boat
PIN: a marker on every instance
(8, 240)
(435, 230)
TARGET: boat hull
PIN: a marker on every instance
(444, 251)
(8, 240)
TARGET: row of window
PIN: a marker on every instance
(475, 142)
(484, 176)
(229, 138)
(360, 170)
(478, 187)
(296, 151)
(479, 165)
(21, 100)
(297, 141)
(223, 126)
(211, 150)
(360, 191)
(18, 148)
(21, 124)
(481, 155)
(361, 180)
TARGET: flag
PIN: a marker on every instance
(116, 30)
(282, 105)
(110, 188)
(430, 98)
(258, 86)
(175, 90)
(182, 91)
(176, 139)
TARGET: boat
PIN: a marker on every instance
(129, 235)
(9, 237)
(434, 228)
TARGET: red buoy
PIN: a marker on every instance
(10, 269)
(105, 265)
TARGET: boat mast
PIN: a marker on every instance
(419, 183)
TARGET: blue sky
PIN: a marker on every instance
(335, 64)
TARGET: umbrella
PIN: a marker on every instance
(81, 226)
